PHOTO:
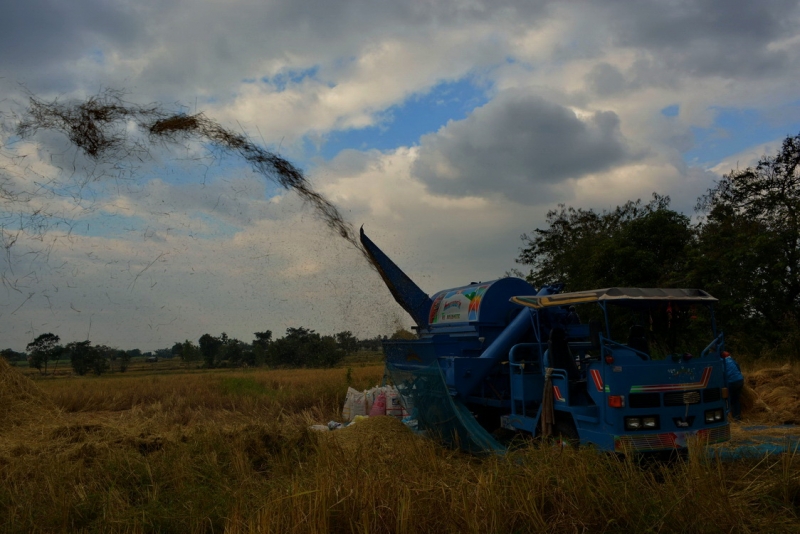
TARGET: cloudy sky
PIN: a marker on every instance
(446, 128)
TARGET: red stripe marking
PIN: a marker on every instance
(597, 379)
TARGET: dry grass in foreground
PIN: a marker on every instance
(230, 452)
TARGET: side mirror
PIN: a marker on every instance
(594, 334)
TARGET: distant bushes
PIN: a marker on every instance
(300, 347)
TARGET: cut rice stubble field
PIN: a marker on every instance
(230, 451)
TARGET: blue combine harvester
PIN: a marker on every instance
(500, 356)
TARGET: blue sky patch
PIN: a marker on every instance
(405, 123)
(283, 79)
(734, 131)
(97, 56)
(114, 226)
(137, 228)
(671, 111)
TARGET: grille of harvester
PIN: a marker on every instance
(682, 397)
(654, 442)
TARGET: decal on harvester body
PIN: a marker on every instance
(661, 388)
(457, 305)
(597, 379)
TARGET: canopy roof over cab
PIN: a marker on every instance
(618, 294)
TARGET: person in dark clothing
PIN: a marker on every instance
(560, 356)
(637, 340)
(572, 316)
(735, 380)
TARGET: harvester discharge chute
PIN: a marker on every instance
(504, 355)
(403, 289)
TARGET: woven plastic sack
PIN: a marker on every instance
(354, 404)
(370, 395)
(379, 406)
(394, 406)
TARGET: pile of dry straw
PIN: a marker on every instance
(772, 396)
(21, 401)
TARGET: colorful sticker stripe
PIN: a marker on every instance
(702, 384)
(557, 394)
(597, 379)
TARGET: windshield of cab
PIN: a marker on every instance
(662, 328)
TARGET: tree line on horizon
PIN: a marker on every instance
(300, 347)
(743, 248)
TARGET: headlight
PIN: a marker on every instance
(633, 423)
(644, 422)
(714, 416)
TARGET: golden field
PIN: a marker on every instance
(230, 451)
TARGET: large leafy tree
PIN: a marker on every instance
(635, 244)
(84, 357)
(236, 352)
(43, 349)
(123, 357)
(225, 351)
(260, 350)
(80, 356)
(209, 348)
(750, 244)
(190, 352)
(302, 347)
(263, 339)
(101, 354)
(347, 341)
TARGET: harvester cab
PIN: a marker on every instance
(636, 375)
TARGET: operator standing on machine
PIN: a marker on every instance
(735, 380)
